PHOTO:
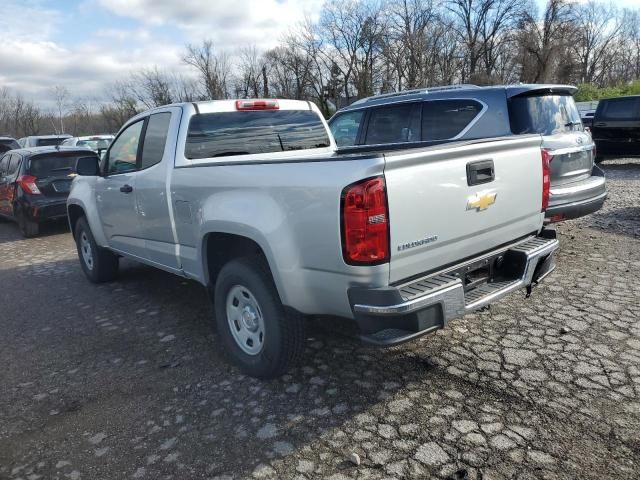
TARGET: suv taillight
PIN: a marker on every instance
(365, 222)
(28, 184)
(546, 178)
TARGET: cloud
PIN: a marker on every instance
(229, 23)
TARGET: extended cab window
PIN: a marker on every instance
(155, 138)
(544, 114)
(345, 128)
(124, 151)
(620, 109)
(393, 124)
(226, 134)
(445, 119)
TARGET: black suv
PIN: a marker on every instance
(458, 113)
(35, 183)
(616, 127)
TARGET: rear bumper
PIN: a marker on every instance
(623, 147)
(577, 199)
(393, 315)
(43, 210)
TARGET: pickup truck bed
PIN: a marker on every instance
(278, 224)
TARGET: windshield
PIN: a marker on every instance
(241, 133)
(52, 165)
(94, 144)
(544, 114)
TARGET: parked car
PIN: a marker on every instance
(419, 118)
(8, 143)
(616, 127)
(42, 140)
(94, 142)
(34, 184)
(250, 199)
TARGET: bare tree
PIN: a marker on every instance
(597, 28)
(483, 26)
(61, 97)
(214, 68)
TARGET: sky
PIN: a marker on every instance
(86, 44)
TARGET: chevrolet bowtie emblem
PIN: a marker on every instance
(481, 201)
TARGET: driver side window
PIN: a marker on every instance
(123, 154)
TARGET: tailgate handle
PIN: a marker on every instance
(480, 172)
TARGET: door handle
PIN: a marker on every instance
(601, 124)
(126, 189)
(480, 172)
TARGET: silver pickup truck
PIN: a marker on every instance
(252, 199)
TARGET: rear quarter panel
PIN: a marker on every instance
(292, 210)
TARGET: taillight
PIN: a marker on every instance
(365, 223)
(257, 105)
(28, 184)
(546, 178)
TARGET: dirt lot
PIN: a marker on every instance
(126, 380)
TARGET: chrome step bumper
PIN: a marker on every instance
(530, 259)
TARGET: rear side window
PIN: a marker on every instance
(544, 114)
(442, 120)
(345, 128)
(53, 165)
(240, 133)
(155, 138)
(620, 109)
(393, 124)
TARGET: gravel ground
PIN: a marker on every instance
(126, 380)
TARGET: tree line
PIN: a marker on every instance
(358, 48)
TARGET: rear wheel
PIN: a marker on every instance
(99, 264)
(28, 227)
(257, 332)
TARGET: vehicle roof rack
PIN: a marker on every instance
(416, 91)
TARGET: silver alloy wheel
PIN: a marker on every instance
(85, 248)
(245, 320)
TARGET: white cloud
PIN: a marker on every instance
(230, 23)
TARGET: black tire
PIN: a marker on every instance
(283, 340)
(104, 264)
(28, 227)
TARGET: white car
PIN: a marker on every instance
(94, 142)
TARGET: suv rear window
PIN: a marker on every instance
(544, 114)
(52, 165)
(46, 142)
(620, 109)
(226, 134)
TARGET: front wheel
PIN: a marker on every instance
(99, 264)
(259, 335)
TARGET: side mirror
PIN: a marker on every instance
(88, 166)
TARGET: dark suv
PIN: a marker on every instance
(458, 113)
(616, 127)
(35, 183)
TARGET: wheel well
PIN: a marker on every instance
(220, 248)
(75, 212)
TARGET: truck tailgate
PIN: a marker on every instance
(436, 218)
